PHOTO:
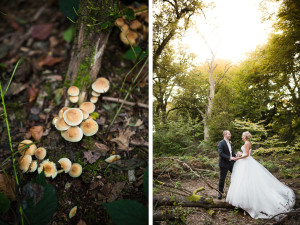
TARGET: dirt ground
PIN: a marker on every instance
(177, 177)
(34, 31)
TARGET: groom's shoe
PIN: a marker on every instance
(220, 196)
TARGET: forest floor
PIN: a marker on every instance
(39, 33)
(170, 172)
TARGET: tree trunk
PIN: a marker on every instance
(87, 52)
(207, 203)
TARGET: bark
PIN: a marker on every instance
(86, 56)
(206, 203)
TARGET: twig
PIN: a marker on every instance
(171, 186)
(295, 211)
(118, 100)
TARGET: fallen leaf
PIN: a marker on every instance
(96, 146)
(32, 93)
(16, 88)
(48, 60)
(37, 132)
(42, 31)
(117, 189)
(7, 186)
(123, 139)
(81, 222)
(91, 157)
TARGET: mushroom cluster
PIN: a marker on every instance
(73, 94)
(28, 149)
(76, 122)
(135, 30)
(100, 86)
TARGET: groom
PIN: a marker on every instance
(226, 159)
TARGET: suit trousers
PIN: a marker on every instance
(223, 173)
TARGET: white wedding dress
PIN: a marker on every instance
(254, 189)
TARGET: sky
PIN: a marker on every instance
(231, 29)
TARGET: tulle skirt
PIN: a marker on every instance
(254, 189)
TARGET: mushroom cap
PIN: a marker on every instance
(125, 28)
(85, 114)
(65, 164)
(33, 166)
(27, 150)
(76, 170)
(61, 124)
(88, 107)
(73, 134)
(112, 158)
(135, 24)
(73, 91)
(131, 37)
(61, 112)
(40, 153)
(54, 120)
(94, 99)
(73, 116)
(119, 22)
(96, 94)
(49, 168)
(73, 99)
(101, 85)
(24, 162)
(89, 127)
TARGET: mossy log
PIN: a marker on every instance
(206, 203)
(88, 48)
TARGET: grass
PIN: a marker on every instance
(10, 141)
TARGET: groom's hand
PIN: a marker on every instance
(233, 158)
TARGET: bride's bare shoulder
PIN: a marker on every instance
(247, 144)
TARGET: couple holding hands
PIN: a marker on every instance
(252, 187)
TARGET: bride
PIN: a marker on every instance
(254, 189)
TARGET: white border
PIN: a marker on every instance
(150, 111)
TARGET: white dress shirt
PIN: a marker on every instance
(229, 147)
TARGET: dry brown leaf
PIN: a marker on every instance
(37, 132)
(7, 186)
(16, 88)
(90, 156)
(49, 60)
(123, 139)
(32, 93)
(41, 31)
(81, 222)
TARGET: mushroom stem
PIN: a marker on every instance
(60, 171)
(82, 96)
(131, 176)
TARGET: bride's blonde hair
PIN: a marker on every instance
(247, 135)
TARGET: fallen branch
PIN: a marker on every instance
(206, 203)
(190, 168)
(118, 100)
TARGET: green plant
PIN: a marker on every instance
(123, 212)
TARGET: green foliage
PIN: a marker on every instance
(40, 201)
(4, 204)
(123, 212)
(69, 34)
(129, 13)
(132, 53)
(175, 137)
(69, 8)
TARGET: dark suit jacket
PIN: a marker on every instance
(224, 155)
